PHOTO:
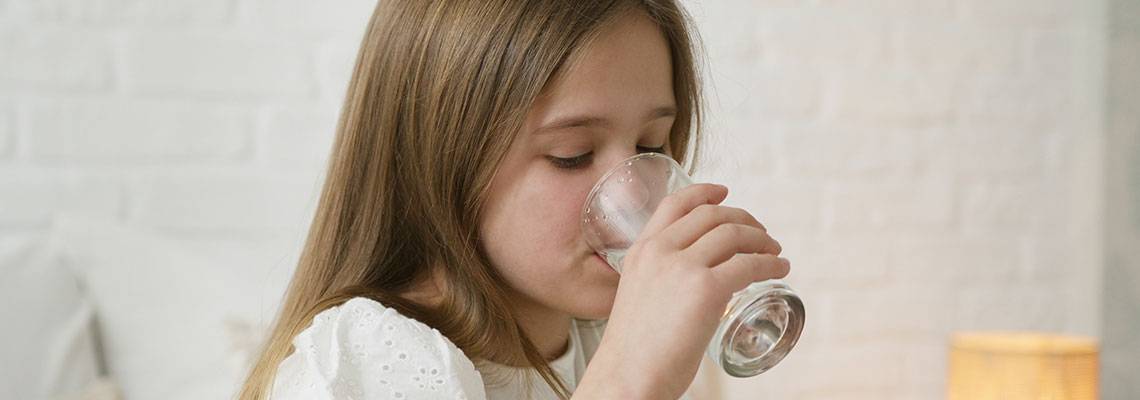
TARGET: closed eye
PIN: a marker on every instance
(584, 159)
(572, 162)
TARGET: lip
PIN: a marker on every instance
(603, 264)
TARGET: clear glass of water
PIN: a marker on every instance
(761, 323)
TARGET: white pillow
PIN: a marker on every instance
(48, 343)
(177, 315)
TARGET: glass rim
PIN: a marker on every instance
(606, 176)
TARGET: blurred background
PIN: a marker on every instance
(931, 167)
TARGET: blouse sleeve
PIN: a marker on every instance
(362, 350)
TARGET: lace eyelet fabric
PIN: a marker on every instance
(362, 350)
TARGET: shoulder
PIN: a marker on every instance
(363, 350)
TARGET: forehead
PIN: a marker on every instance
(626, 69)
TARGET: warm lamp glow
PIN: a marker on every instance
(1022, 365)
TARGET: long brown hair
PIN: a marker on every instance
(439, 90)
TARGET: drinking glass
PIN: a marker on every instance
(761, 323)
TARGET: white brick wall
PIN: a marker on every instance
(129, 131)
(80, 60)
(6, 133)
(929, 166)
(220, 65)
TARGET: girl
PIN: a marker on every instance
(445, 259)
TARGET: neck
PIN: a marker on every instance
(547, 328)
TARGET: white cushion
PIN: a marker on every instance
(48, 342)
(179, 316)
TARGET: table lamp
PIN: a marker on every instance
(1022, 365)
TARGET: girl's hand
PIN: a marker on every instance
(676, 281)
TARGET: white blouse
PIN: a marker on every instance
(364, 350)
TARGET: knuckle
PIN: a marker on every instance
(704, 211)
(652, 245)
(739, 214)
(745, 217)
(734, 230)
(707, 285)
(686, 260)
(693, 259)
(670, 201)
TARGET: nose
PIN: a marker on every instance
(619, 205)
(612, 159)
(623, 190)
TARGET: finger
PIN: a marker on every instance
(725, 240)
(744, 269)
(679, 203)
(702, 219)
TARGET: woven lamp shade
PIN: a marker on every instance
(1022, 365)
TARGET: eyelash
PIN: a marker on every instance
(579, 161)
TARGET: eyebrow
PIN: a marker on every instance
(576, 121)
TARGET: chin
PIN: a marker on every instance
(596, 307)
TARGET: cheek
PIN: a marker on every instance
(537, 222)
(551, 211)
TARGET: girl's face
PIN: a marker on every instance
(616, 101)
